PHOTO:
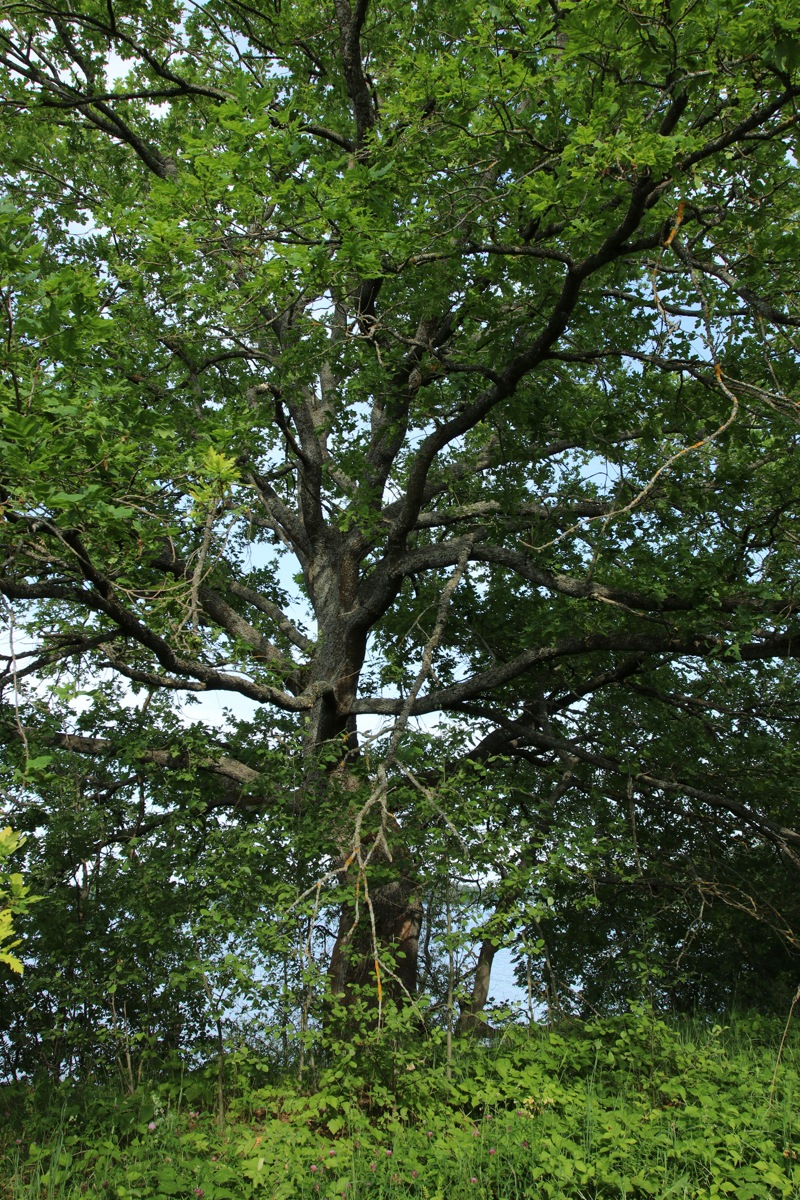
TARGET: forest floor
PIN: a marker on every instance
(626, 1107)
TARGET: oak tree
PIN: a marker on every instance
(421, 380)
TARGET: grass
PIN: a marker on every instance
(625, 1107)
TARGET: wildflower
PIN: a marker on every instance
(474, 1179)
(526, 1145)
(372, 1166)
(475, 1133)
(388, 1154)
(314, 1167)
(331, 1153)
(199, 1192)
(414, 1174)
(487, 1117)
(151, 1126)
(429, 1133)
(492, 1150)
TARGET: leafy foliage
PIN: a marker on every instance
(627, 1106)
(422, 385)
(14, 899)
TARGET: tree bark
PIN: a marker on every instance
(469, 1021)
(376, 950)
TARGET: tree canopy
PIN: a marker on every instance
(422, 380)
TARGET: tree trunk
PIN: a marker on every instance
(375, 953)
(376, 950)
(469, 1021)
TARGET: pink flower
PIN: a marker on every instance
(475, 1133)
(492, 1150)
(388, 1154)
(151, 1126)
(314, 1167)
(331, 1153)
(414, 1174)
(474, 1179)
(372, 1166)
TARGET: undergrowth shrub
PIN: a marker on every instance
(623, 1107)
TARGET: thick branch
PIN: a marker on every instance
(702, 646)
(351, 21)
